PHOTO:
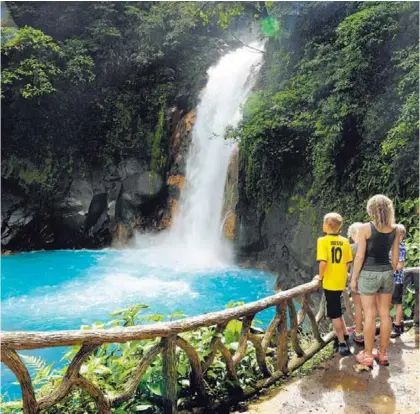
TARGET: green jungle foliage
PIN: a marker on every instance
(111, 365)
(86, 84)
(337, 106)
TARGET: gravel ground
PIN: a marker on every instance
(337, 388)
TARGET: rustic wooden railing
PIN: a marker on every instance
(280, 333)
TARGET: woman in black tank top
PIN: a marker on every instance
(373, 277)
(378, 247)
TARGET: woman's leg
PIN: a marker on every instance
(358, 314)
(384, 306)
(369, 309)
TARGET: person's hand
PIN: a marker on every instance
(317, 278)
(353, 285)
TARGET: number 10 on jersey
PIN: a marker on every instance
(336, 254)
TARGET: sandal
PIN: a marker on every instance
(363, 359)
(381, 358)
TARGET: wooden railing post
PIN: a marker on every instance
(197, 377)
(312, 319)
(170, 397)
(282, 352)
(294, 329)
(11, 359)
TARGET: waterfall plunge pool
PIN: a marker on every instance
(64, 289)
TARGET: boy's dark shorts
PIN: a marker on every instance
(398, 294)
(333, 298)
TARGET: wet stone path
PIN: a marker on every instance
(337, 388)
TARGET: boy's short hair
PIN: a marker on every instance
(334, 220)
(401, 229)
(353, 229)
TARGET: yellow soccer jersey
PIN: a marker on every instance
(336, 251)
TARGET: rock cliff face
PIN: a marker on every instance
(281, 239)
(181, 136)
(278, 241)
(230, 220)
(101, 207)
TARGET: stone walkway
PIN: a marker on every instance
(336, 388)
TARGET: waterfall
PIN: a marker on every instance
(195, 240)
(197, 224)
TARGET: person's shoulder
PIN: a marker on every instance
(365, 230)
(322, 238)
(366, 226)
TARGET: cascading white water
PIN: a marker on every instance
(195, 240)
(197, 224)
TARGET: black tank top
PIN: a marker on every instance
(377, 258)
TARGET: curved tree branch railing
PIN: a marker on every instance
(279, 332)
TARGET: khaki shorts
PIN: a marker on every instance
(370, 282)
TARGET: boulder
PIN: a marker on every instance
(126, 168)
(14, 223)
(141, 187)
(78, 198)
(97, 225)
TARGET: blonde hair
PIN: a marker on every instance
(334, 220)
(401, 230)
(353, 230)
(381, 211)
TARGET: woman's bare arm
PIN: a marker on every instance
(395, 252)
(364, 233)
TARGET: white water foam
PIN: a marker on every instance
(94, 295)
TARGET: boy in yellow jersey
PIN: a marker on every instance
(333, 253)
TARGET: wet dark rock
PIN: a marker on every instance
(242, 407)
(14, 222)
(124, 169)
(98, 207)
(281, 239)
(140, 187)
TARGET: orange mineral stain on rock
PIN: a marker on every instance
(166, 221)
(337, 380)
(176, 180)
(190, 120)
(262, 266)
(181, 132)
(229, 226)
(121, 236)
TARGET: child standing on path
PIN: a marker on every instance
(357, 335)
(397, 296)
(334, 254)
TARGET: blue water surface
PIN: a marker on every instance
(44, 291)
